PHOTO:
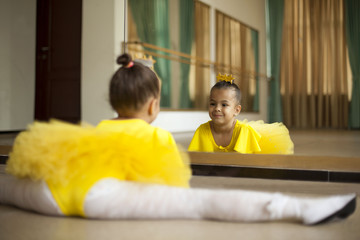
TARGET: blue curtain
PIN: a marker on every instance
(275, 15)
(186, 40)
(152, 22)
(352, 21)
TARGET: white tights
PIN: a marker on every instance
(27, 194)
(114, 199)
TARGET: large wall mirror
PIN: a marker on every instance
(191, 44)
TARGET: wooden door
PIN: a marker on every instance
(58, 60)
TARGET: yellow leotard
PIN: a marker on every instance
(72, 158)
(248, 137)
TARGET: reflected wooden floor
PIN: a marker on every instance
(342, 143)
(320, 155)
(317, 151)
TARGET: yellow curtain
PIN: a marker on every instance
(202, 46)
(235, 55)
(315, 77)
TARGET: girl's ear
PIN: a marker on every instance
(237, 109)
(153, 107)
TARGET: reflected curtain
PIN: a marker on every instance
(202, 42)
(235, 55)
(255, 41)
(152, 24)
(352, 11)
(186, 34)
(274, 14)
(314, 79)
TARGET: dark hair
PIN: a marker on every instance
(132, 85)
(224, 84)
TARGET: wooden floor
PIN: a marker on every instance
(16, 224)
(7, 139)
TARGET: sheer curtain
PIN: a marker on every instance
(202, 42)
(152, 26)
(274, 16)
(234, 57)
(186, 41)
(314, 65)
(353, 40)
(255, 91)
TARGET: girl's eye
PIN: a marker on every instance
(224, 105)
(212, 104)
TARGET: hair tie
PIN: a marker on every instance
(130, 64)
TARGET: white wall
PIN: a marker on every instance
(17, 63)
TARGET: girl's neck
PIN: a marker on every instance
(223, 129)
(147, 112)
(122, 118)
(222, 134)
(134, 115)
(130, 118)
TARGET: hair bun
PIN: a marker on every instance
(124, 59)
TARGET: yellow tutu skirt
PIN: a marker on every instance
(275, 137)
(59, 152)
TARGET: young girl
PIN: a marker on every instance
(127, 169)
(224, 133)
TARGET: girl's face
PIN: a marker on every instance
(223, 107)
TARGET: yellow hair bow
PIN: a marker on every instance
(224, 77)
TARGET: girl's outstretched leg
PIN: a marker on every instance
(27, 194)
(111, 198)
(313, 211)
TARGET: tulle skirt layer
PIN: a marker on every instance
(275, 137)
(58, 152)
